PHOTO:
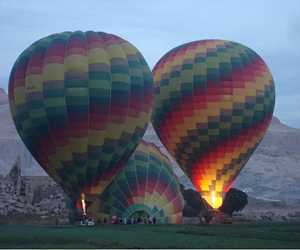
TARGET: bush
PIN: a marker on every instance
(235, 200)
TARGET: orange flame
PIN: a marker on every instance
(213, 198)
(83, 204)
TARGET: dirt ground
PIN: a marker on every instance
(267, 210)
(33, 219)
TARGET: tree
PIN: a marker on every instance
(193, 202)
(235, 200)
(188, 211)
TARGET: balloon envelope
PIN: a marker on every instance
(81, 102)
(214, 100)
(146, 186)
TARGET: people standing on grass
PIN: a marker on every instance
(124, 220)
(154, 220)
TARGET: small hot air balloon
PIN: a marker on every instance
(147, 186)
(81, 102)
(214, 100)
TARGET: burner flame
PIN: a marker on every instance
(83, 204)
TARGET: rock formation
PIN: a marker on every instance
(30, 194)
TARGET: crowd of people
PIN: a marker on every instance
(115, 219)
(129, 221)
(138, 220)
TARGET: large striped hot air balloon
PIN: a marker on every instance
(214, 100)
(145, 187)
(81, 102)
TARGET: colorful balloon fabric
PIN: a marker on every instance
(81, 102)
(214, 100)
(72, 210)
(145, 187)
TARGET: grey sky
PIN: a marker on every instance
(271, 28)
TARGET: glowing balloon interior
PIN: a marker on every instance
(214, 100)
(81, 102)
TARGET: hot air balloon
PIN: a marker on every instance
(146, 186)
(73, 213)
(214, 100)
(81, 102)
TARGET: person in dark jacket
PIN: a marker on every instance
(154, 220)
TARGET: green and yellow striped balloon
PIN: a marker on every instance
(81, 102)
(147, 186)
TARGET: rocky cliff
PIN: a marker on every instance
(11, 145)
(29, 196)
(272, 173)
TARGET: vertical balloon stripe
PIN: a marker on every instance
(28, 132)
(99, 106)
(141, 156)
(23, 123)
(77, 101)
(36, 111)
(122, 184)
(146, 104)
(120, 94)
(17, 98)
(99, 102)
(111, 137)
(130, 132)
(56, 109)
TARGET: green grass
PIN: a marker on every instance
(238, 235)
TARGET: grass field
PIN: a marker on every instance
(238, 235)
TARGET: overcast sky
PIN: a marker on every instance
(271, 28)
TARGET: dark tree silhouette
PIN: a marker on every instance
(234, 201)
(193, 202)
